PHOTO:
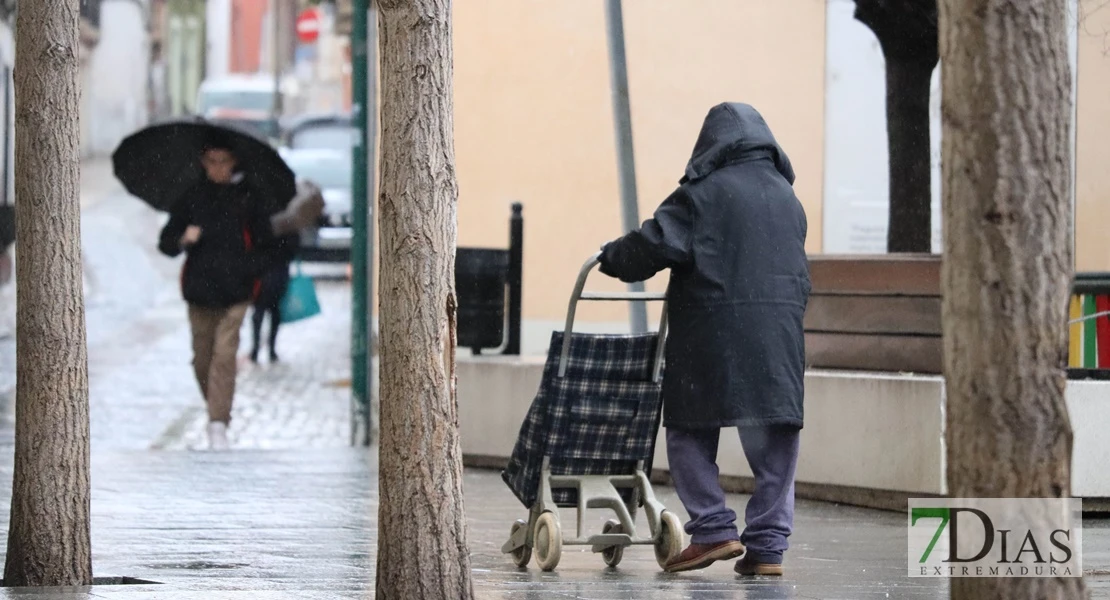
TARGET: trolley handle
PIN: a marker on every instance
(578, 294)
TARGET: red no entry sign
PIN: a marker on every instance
(308, 26)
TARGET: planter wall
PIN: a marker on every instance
(875, 313)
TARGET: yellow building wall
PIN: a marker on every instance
(1092, 186)
(533, 120)
(533, 117)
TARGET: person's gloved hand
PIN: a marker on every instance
(604, 262)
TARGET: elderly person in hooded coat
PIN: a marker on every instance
(733, 236)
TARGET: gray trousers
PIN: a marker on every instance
(772, 454)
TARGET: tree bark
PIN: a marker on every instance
(907, 33)
(1007, 269)
(48, 540)
(422, 550)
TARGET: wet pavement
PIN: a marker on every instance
(301, 524)
(291, 512)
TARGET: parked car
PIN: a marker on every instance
(321, 131)
(246, 101)
(330, 240)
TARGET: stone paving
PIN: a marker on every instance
(301, 524)
(291, 512)
(302, 401)
(142, 391)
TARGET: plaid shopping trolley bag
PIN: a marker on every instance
(588, 441)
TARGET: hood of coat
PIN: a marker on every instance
(734, 132)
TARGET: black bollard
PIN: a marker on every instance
(516, 277)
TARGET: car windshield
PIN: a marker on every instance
(263, 127)
(237, 100)
(326, 172)
(324, 137)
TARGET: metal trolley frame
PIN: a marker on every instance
(543, 532)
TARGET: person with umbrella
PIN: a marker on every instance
(230, 199)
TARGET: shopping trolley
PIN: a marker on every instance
(588, 440)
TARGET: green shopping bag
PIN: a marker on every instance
(299, 301)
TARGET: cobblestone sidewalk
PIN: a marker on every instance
(142, 391)
(303, 401)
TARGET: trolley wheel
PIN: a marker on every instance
(523, 554)
(548, 542)
(668, 544)
(612, 554)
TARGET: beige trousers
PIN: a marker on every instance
(215, 350)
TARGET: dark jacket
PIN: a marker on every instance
(733, 235)
(236, 243)
(275, 281)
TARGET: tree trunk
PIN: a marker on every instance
(422, 549)
(48, 541)
(1007, 268)
(907, 32)
(910, 224)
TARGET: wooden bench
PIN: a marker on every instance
(875, 313)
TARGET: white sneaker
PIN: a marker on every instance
(217, 436)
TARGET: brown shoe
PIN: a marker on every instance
(700, 556)
(751, 568)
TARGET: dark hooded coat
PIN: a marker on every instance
(733, 235)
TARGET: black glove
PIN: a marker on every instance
(604, 261)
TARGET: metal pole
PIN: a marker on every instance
(275, 12)
(9, 131)
(371, 162)
(360, 400)
(626, 161)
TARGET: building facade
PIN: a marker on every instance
(118, 82)
(533, 123)
(182, 43)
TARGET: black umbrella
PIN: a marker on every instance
(159, 163)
